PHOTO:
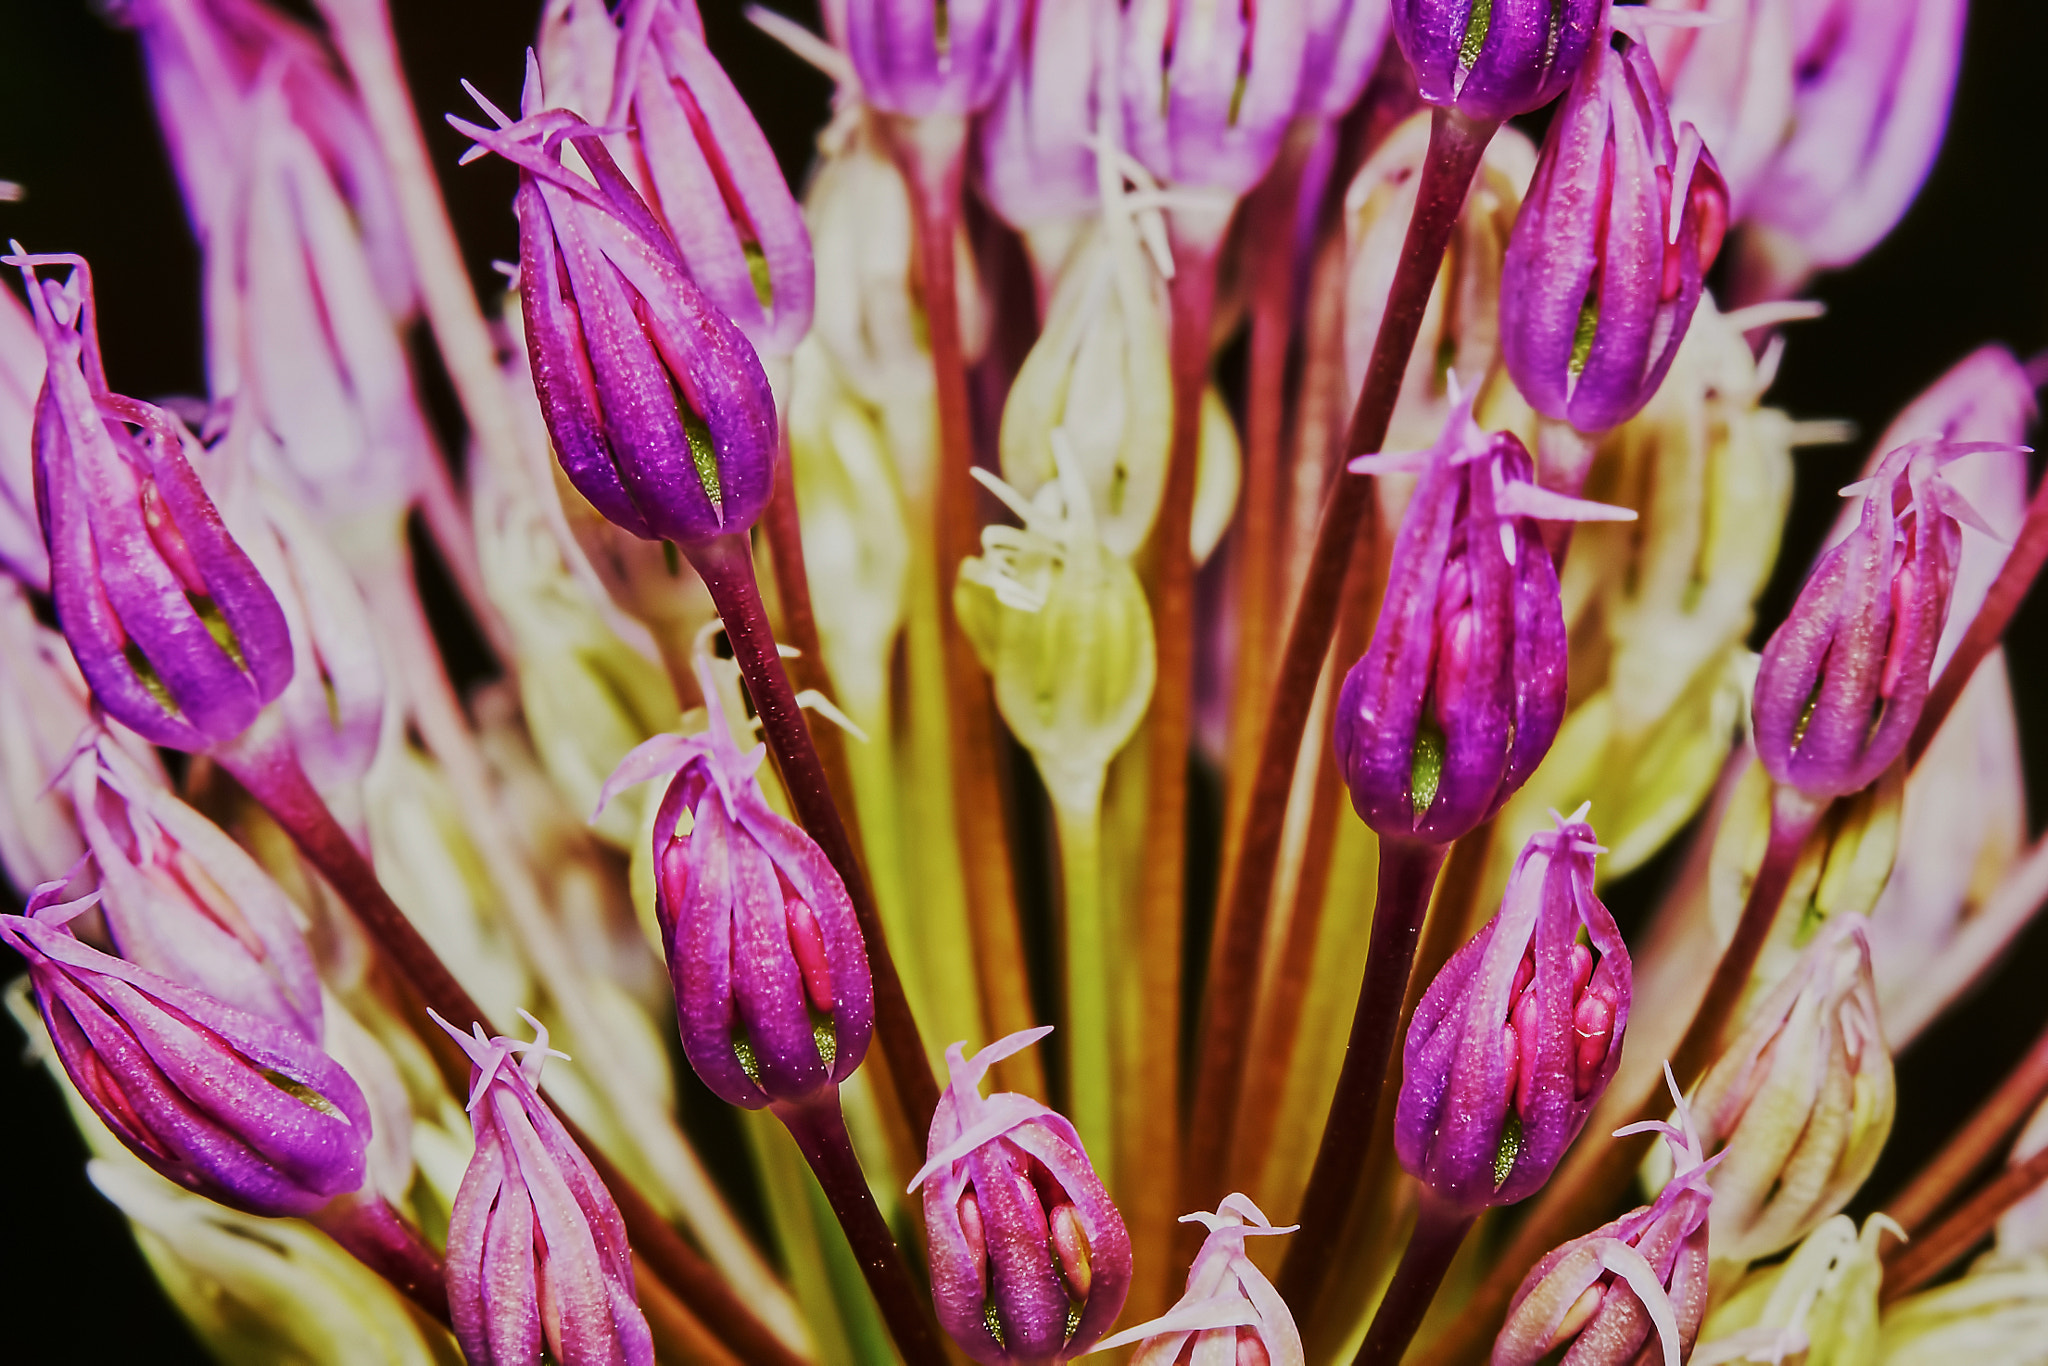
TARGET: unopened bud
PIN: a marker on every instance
(1030, 1261)
(1480, 1124)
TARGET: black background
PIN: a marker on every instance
(1966, 266)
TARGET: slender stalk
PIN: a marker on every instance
(268, 769)
(2022, 566)
(1456, 146)
(785, 536)
(1255, 563)
(1285, 994)
(1408, 870)
(1090, 1090)
(931, 153)
(361, 30)
(1161, 905)
(1438, 1234)
(1977, 1142)
(1793, 817)
(376, 1235)
(820, 1131)
(1592, 1176)
(1936, 1250)
(726, 565)
(645, 1123)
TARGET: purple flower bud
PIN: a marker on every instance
(537, 1254)
(770, 974)
(21, 379)
(1620, 223)
(1518, 1036)
(1037, 141)
(660, 413)
(1343, 44)
(184, 901)
(1606, 1292)
(1208, 89)
(234, 1107)
(1029, 1259)
(1231, 1314)
(1872, 85)
(1843, 679)
(1461, 691)
(1986, 396)
(175, 631)
(931, 57)
(716, 185)
(1494, 59)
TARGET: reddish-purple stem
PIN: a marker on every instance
(1456, 146)
(726, 564)
(1407, 875)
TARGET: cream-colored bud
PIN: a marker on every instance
(856, 542)
(1800, 1101)
(1063, 628)
(1099, 371)
(260, 1290)
(1996, 1313)
(1819, 1305)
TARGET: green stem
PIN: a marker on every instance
(1090, 1088)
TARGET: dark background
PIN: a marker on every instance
(1966, 266)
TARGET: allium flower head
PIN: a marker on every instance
(176, 632)
(931, 57)
(184, 900)
(1209, 87)
(238, 1108)
(1460, 693)
(1231, 1314)
(1516, 1039)
(1606, 1292)
(1494, 59)
(1843, 679)
(711, 178)
(1620, 223)
(1029, 1259)
(770, 974)
(659, 410)
(1801, 1099)
(537, 1254)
